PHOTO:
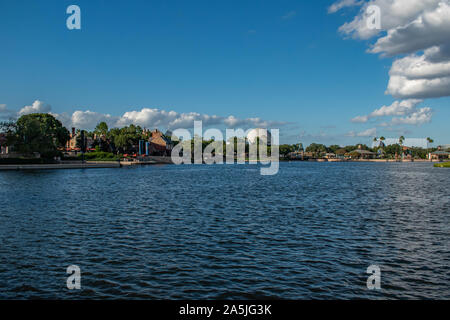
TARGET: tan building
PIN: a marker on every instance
(439, 155)
(160, 144)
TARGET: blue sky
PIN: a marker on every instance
(276, 60)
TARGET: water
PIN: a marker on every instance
(226, 232)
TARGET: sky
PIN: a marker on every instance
(309, 68)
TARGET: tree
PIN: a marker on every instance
(38, 132)
(392, 150)
(401, 140)
(316, 149)
(101, 129)
(333, 148)
(285, 149)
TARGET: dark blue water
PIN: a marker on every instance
(222, 232)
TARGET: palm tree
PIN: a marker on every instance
(401, 140)
(430, 141)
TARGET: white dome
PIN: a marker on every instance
(263, 134)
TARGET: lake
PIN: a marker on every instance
(226, 232)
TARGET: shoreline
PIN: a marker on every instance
(162, 160)
(51, 166)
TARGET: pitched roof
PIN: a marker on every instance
(360, 151)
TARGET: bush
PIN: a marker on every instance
(99, 156)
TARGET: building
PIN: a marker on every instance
(362, 154)
(160, 144)
(71, 145)
(409, 142)
(439, 155)
(3, 146)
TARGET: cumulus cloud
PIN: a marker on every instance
(421, 76)
(89, 119)
(5, 113)
(406, 108)
(418, 117)
(360, 119)
(397, 108)
(147, 117)
(428, 29)
(419, 31)
(367, 133)
(36, 107)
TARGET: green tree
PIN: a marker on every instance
(38, 132)
(401, 140)
(392, 150)
(333, 148)
(317, 149)
(101, 129)
(285, 149)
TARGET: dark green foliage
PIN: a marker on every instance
(37, 132)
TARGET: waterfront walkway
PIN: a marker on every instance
(86, 165)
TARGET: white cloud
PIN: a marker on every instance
(403, 112)
(418, 29)
(89, 119)
(289, 15)
(36, 107)
(397, 108)
(367, 133)
(394, 13)
(360, 119)
(5, 113)
(418, 117)
(335, 7)
(424, 76)
(406, 108)
(428, 29)
(147, 117)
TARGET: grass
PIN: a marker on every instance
(442, 165)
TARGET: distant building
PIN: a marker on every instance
(439, 155)
(409, 142)
(3, 145)
(160, 144)
(71, 145)
(362, 154)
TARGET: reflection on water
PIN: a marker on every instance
(227, 232)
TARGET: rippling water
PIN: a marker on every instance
(222, 232)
